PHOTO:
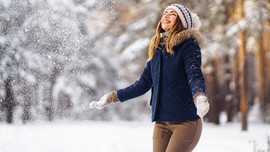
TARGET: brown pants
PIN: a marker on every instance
(176, 137)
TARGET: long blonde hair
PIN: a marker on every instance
(156, 40)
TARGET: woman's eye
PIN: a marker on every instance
(170, 14)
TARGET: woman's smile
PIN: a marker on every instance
(168, 19)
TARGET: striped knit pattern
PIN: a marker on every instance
(184, 15)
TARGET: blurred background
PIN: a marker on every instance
(58, 55)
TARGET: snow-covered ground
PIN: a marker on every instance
(120, 136)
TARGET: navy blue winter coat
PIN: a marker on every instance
(174, 80)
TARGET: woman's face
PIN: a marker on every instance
(168, 19)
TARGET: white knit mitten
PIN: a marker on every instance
(202, 105)
(101, 103)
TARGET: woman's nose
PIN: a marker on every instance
(166, 16)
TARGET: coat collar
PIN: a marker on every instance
(187, 34)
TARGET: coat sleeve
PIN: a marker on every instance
(192, 59)
(139, 87)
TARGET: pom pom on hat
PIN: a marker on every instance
(188, 19)
(196, 21)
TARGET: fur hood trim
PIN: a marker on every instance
(186, 34)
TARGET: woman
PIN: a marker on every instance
(174, 74)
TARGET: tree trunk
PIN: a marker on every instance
(261, 73)
(227, 91)
(266, 49)
(213, 94)
(236, 88)
(9, 101)
(50, 107)
(26, 105)
(242, 70)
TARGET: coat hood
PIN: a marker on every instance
(187, 34)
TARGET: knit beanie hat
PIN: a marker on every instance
(188, 19)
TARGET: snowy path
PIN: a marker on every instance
(120, 137)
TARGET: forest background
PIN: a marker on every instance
(57, 56)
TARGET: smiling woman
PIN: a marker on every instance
(168, 19)
(174, 74)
